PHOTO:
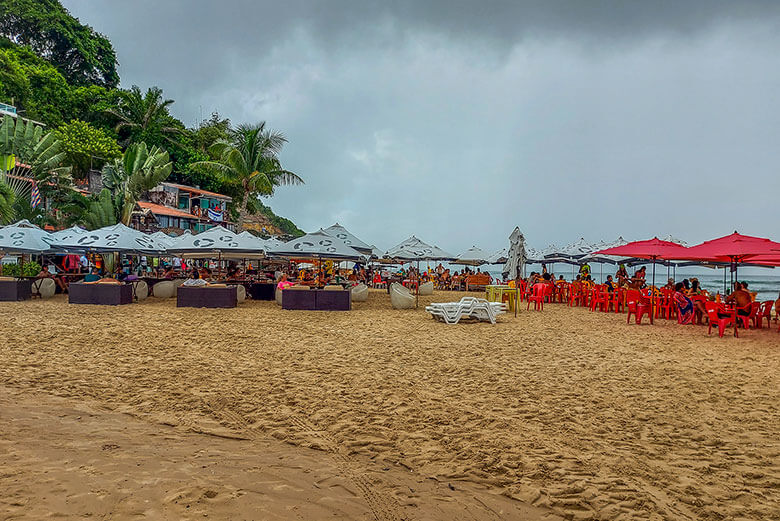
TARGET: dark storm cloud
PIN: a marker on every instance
(567, 118)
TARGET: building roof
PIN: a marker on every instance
(159, 209)
(198, 191)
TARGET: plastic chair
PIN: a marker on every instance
(745, 319)
(600, 298)
(636, 304)
(722, 322)
(537, 297)
(765, 311)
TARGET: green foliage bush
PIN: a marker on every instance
(28, 269)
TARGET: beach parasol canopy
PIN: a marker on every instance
(24, 237)
(67, 233)
(317, 245)
(349, 239)
(413, 249)
(513, 268)
(163, 238)
(216, 240)
(472, 257)
(652, 249)
(735, 248)
(499, 257)
(117, 238)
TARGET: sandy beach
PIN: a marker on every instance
(258, 413)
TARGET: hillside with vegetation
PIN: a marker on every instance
(62, 74)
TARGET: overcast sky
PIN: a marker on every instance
(458, 121)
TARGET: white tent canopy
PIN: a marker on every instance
(67, 233)
(349, 239)
(24, 237)
(317, 245)
(498, 257)
(163, 238)
(472, 257)
(117, 238)
(413, 249)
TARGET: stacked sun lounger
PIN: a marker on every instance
(467, 307)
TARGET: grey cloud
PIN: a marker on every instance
(459, 120)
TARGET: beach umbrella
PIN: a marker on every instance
(162, 238)
(349, 239)
(515, 263)
(472, 257)
(67, 233)
(111, 239)
(652, 249)
(416, 250)
(734, 249)
(24, 237)
(217, 241)
(317, 245)
(498, 257)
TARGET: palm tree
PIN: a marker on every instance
(250, 160)
(144, 117)
(138, 170)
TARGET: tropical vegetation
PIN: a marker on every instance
(62, 77)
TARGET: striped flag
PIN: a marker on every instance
(35, 195)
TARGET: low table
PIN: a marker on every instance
(101, 294)
(316, 299)
(206, 297)
(15, 290)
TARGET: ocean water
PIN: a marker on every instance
(764, 281)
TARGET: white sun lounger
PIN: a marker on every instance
(471, 307)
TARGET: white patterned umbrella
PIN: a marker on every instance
(317, 245)
(349, 239)
(216, 241)
(24, 237)
(472, 257)
(413, 249)
(517, 256)
(117, 238)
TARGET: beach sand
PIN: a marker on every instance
(260, 413)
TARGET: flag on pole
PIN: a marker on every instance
(35, 195)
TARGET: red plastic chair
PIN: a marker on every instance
(752, 308)
(539, 291)
(600, 298)
(574, 293)
(636, 304)
(666, 305)
(764, 311)
(722, 322)
(548, 293)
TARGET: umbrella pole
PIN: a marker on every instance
(652, 293)
(417, 300)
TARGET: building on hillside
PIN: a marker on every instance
(175, 208)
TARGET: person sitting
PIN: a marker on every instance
(685, 306)
(741, 299)
(610, 284)
(670, 284)
(284, 283)
(205, 273)
(695, 288)
(195, 279)
(46, 274)
(92, 276)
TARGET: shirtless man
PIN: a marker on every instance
(741, 299)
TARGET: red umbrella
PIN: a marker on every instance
(652, 249)
(734, 248)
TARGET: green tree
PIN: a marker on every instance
(211, 131)
(25, 151)
(90, 104)
(86, 147)
(138, 170)
(92, 211)
(145, 117)
(80, 54)
(34, 86)
(7, 199)
(250, 161)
